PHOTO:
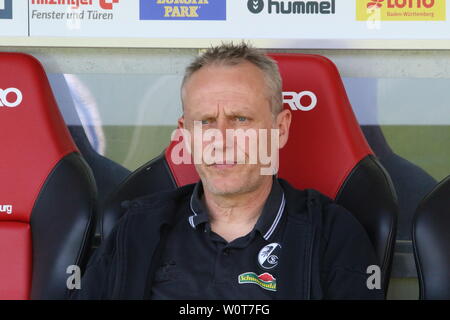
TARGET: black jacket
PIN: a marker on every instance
(325, 254)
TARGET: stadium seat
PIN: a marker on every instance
(338, 161)
(326, 151)
(431, 243)
(47, 191)
(411, 182)
(107, 173)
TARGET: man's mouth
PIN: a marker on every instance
(222, 166)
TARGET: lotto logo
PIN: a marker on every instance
(375, 4)
(401, 10)
(418, 4)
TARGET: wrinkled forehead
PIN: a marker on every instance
(240, 84)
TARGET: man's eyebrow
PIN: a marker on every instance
(240, 110)
(203, 114)
(232, 109)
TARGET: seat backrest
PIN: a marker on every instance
(323, 126)
(431, 242)
(74, 99)
(47, 193)
(411, 182)
(326, 151)
(337, 159)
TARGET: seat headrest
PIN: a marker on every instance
(325, 140)
(34, 136)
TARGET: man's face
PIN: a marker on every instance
(230, 97)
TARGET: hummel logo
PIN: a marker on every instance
(255, 6)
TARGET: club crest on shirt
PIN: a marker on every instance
(268, 256)
(264, 280)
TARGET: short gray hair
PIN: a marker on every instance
(229, 54)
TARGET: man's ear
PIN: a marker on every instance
(181, 122)
(283, 124)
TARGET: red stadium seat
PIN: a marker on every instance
(337, 159)
(47, 193)
(326, 151)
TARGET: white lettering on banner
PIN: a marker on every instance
(293, 99)
(7, 97)
(74, 3)
(6, 208)
(2, 4)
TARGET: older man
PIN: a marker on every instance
(239, 233)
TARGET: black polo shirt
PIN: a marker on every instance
(199, 264)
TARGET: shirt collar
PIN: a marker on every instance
(268, 221)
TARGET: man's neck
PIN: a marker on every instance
(234, 216)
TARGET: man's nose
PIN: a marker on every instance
(222, 126)
(220, 140)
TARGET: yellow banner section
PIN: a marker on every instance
(401, 10)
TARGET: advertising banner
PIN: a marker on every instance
(194, 23)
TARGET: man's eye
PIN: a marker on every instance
(205, 121)
(241, 119)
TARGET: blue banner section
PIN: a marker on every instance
(183, 10)
(6, 9)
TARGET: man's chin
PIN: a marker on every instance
(220, 190)
(224, 185)
(226, 179)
